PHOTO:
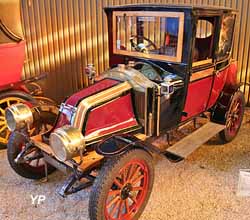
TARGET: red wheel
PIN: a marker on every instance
(234, 117)
(123, 188)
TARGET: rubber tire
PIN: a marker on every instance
(104, 181)
(13, 150)
(17, 94)
(224, 135)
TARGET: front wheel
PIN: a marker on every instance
(32, 165)
(122, 189)
(234, 117)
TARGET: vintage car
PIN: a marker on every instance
(12, 55)
(169, 65)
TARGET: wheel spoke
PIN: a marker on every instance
(7, 134)
(120, 209)
(123, 178)
(137, 188)
(3, 140)
(115, 208)
(132, 199)
(114, 192)
(127, 205)
(138, 179)
(236, 106)
(117, 183)
(130, 172)
(113, 201)
(2, 111)
(134, 174)
(3, 128)
(8, 103)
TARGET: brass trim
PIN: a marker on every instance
(164, 57)
(202, 62)
(146, 112)
(158, 110)
(141, 136)
(98, 98)
(202, 74)
(150, 124)
(98, 137)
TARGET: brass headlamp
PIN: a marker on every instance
(19, 116)
(67, 142)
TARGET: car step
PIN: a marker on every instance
(190, 143)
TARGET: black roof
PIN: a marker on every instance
(160, 7)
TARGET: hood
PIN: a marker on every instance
(91, 90)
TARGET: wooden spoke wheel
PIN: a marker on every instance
(123, 187)
(4, 103)
(234, 117)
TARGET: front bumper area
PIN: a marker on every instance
(90, 159)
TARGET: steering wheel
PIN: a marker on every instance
(141, 47)
(148, 71)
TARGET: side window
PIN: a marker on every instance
(226, 36)
(204, 40)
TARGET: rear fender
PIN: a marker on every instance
(120, 144)
(222, 106)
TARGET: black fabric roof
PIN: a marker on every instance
(155, 7)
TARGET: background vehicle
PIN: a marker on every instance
(12, 56)
(169, 66)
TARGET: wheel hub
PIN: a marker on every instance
(126, 191)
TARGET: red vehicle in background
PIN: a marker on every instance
(170, 65)
(12, 55)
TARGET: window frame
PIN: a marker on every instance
(220, 58)
(162, 57)
(210, 59)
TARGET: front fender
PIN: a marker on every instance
(119, 144)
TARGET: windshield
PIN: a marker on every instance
(156, 35)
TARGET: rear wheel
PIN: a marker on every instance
(122, 189)
(32, 165)
(234, 117)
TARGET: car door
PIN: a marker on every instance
(201, 79)
(224, 66)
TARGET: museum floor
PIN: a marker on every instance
(203, 187)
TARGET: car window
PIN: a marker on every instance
(226, 36)
(149, 34)
(202, 50)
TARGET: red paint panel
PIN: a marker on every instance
(219, 82)
(91, 90)
(232, 75)
(197, 97)
(11, 62)
(62, 120)
(111, 117)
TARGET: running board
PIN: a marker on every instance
(183, 148)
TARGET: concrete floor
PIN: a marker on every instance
(203, 187)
